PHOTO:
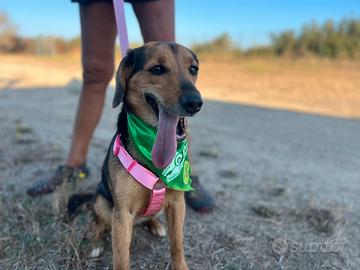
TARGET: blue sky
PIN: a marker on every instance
(248, 22)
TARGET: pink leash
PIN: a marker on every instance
(142, 175)
(121, 26)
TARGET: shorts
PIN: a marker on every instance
(91, 1)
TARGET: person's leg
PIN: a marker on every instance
(98, 33)
(156, 20)
(157, 23)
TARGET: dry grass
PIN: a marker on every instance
(229, 238)
(309, 85)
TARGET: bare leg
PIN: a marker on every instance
(98, 33)
(156, 19)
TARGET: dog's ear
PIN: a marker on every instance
(193, 55)
(122, 76)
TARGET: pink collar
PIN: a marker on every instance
(145, 177)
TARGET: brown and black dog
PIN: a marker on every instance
(154, 80)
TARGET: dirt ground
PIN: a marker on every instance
(286, 184)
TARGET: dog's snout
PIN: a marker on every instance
(191, 102)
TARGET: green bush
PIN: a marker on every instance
(223, 43)
(327, 40)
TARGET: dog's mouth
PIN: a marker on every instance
(171, 130)
(181, 127)
(181, 130)
(150, 99)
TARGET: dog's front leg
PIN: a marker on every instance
(122, 226)
(175, 214)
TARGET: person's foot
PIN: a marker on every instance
(199, 199)
(62, 174)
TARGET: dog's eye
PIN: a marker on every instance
(158, 70)
(193, 70)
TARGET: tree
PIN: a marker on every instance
(222, 43)
(7, 34)
(284, 43)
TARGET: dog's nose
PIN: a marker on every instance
(191, 102)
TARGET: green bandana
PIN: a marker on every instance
(177, 174)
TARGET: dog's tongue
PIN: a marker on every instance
(164, 148)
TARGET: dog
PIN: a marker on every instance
(155, 82)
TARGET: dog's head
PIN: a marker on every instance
(157, 83)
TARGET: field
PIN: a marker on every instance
(311, 85)
(277, 143)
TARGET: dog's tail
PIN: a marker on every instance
(78, 200)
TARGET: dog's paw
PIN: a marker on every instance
(158, 231)
(96, 252)
(156, 228)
